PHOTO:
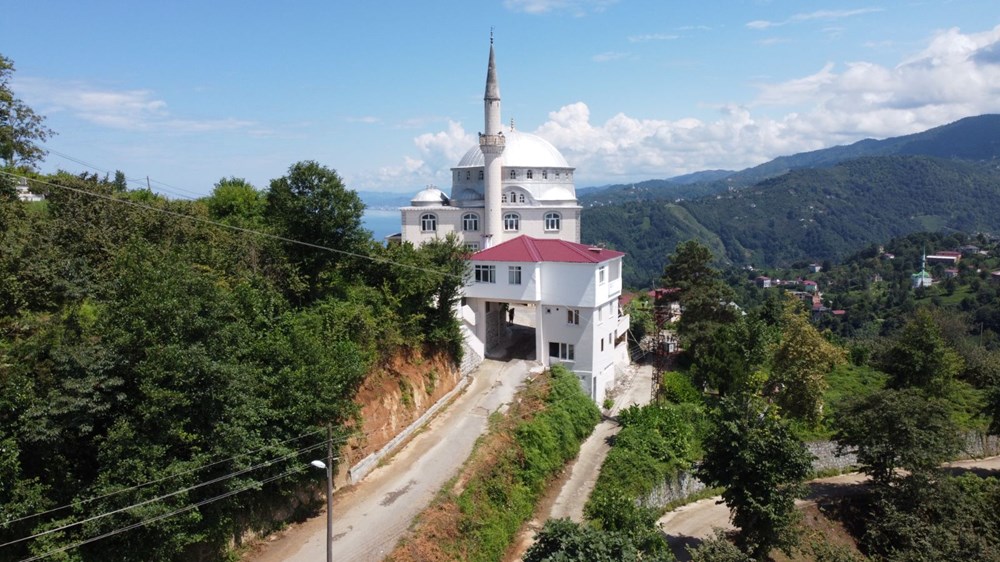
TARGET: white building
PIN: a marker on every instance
(24, 193)
(512, 183)
(513, 201)
(573, 291)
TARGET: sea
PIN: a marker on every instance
(381, 222)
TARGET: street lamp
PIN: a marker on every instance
(328, 465)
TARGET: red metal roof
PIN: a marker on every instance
(527, 249)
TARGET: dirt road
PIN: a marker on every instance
(370, 517)
(690, 524)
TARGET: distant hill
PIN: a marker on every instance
(381, 199)
(972, 138)
(806, 214)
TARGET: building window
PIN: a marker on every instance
(428, 222)
(531, 174)
(503, 198)
(562, 351)
(513, 174)
(470, 222)
(572, 316)
(552, 221)
(486, 273)
(511, 222)
(602, 344)
(514, 275)
(472, 246)
(468, 175)
(545, 174)
(520, 198)
(480, 174)
(557, 175)
(601, 274)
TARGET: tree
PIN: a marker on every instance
(565, 541)
(800, 365)
(705, 299)
(21, 129)
(312, 205)
(893, 429)
(734, 354)
(753, 454)
(920, 357)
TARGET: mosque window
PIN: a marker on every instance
(531, 174)
(428, 222)
(511, 222)
(480, 174)
(470, 222)
(545, 174)
(552, 221)
(503, 198)
(513, 174)
(520, 198)
(557, 175)
(468, 175)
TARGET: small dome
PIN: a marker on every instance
(428, 197)
(521, 150)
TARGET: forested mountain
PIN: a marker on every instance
(973, 138)
(806, 214)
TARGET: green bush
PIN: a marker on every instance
(677, 387)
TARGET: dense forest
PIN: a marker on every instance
(169, 367)
(806, 214)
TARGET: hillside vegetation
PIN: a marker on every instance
(173, 377)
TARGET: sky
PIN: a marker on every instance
(389, 93)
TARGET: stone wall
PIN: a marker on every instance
(825, 458)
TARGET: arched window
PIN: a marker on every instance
(468, 175)
(511, 222)
(552, 221)
(480, 174)
(530, 174)
(428, 222)
(520, 198)
(470, 222)
(513, 197)
(513, 174)
(545, 174)
(503, 198)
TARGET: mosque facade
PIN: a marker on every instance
(513, 204)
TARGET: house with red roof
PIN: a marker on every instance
(571, 289)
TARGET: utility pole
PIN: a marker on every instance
(329, 493)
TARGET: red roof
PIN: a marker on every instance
(527, 249)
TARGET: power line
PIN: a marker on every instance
(172, 494)
(139, 181)
(163, 516)
(157, 481)
(238, 228)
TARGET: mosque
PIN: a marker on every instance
(513, 204)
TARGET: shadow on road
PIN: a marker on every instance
(680, 543)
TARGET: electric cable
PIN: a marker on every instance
(239, 228)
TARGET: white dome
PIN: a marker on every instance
(522, 150)
(429, 196)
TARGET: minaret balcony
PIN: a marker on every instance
(491, 144)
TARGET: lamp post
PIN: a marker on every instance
(328, 465)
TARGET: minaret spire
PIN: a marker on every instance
(491, 143)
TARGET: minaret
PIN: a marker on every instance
(491, 143)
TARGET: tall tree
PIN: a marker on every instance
(753, 454)
(800, 365)
(21, 129)
(893, 429)
(311, 204)
(920, 357)
(705, 299)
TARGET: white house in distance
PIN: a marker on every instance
(514, 204)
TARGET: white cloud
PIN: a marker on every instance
(652, 37)
(125, 110)
(824, 15)
(956, 76)
(609, 56)
(573, 7)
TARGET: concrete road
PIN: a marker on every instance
(370, 517)
(690, 524)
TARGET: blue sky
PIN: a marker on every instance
(389, 93)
